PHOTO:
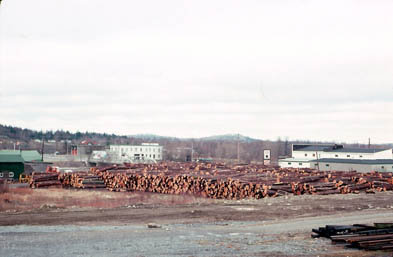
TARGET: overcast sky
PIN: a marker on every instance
(316, 70)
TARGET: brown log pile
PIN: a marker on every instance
(40, 179)
(83, 180)
(220, 181)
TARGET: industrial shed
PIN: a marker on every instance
(327, 164)
(31, 156)
(11, 165)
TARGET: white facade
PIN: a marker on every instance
(312, 155)
(336, 157)
(294, 163)
(146, 151)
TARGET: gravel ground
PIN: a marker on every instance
(272, 238)
(99, 223)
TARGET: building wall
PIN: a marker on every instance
(387, 154)
(293, 164)
(311, 155)
(141, 152)
(7, 167)
(328, 166)
(383, 167)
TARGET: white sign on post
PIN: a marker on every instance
(266, 157)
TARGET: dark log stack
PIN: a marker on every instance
(220, 181)
(39, 180)
(82, 180)
(369, 237)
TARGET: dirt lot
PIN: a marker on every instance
(101, 223)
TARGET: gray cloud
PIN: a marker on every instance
(302, 69)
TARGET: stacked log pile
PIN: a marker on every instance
(40, 179)
(369, 237)
(83, 180)
(236, 182)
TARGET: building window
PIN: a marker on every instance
(1, 174)
(382, 167)
(313, 155)
(327, 165)
(336, 155)
(300, 164)
(141, 149)
(158, 156)
(159, 149)
(360, 156)
(11, 174)
(154, 156)
(348, 155)
(289, 163)
(305, 154)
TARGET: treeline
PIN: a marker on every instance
(25, 135)
(219, 147)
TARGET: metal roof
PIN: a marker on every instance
(314, 148)
(356, 161)
(31, 155)
(10, 156)
(357, 150)
(325, 148)
(27, 155)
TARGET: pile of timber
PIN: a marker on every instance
(82, 180)
(221, 181)
(41, 179)
(378, 236)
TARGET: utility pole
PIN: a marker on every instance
(369, 143)
(192, 151)
(42, 149)
(238, 148)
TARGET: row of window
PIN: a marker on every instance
(143, 155)
(127, 149)
(327, 165)
(336, 155)
(10, 174)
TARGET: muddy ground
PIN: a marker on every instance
(100, 223)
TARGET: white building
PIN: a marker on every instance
(336, 157)
(144, 152)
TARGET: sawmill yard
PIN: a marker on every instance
(203, 210)
(102, 223)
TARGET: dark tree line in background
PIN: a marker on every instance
(219, 148)
(58, 135)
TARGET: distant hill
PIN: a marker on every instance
(21, 134)
(225, 137)
(230, 137)
(151, 137)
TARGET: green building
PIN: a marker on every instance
(11, 164)
(31, 156)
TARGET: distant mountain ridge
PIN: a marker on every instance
(230, 137)
(23, 134)
(224, 137)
